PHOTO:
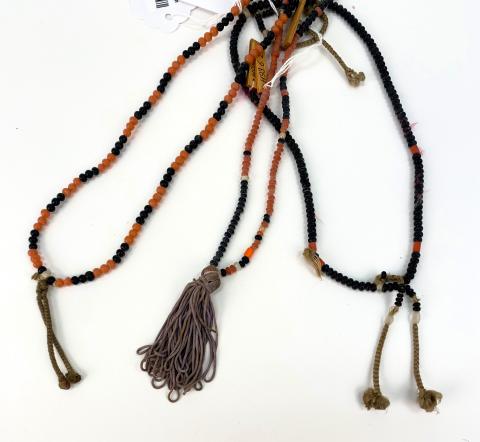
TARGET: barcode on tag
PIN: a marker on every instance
(161, 3)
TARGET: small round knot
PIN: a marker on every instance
(73, 377)
(375, 399)
(429, 399)
(354, 78)
(211, 277)
(63, 383)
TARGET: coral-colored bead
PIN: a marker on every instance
(59, 283)
(249, 252)
(77, 182)
(97, 272)
(181, 59)
(45, 213)
(111, 264)
(184, 154)
(67, 282)
(235, 10)
(214, 31)
(202, 42)
(207, 36)
(104, 268)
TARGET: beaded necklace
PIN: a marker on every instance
(183, 355)
(373, 397)
(43, 276)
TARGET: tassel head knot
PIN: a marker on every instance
(210, 277)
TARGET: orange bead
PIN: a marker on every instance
(156, 93)
(181, 59)
(245, 3)
(283, 18)
(97, 272)
(184, 154)
(171, 71)
(417, 245)
(127, 132)
(202, 42)
(67, 282)
(235, 86)
(214, 31)
(101, 168)
(180, 160)
(276, 30)
(249, 252)
(414, 149)
(228, 99)
(37, 264)
(207, 36)
(45, 213)
(76, 182)
(59, 283)
(152, 100)
(111, 157)
(137, 227)
(104, 268)
(38, 226)
(153, 202)
(204, 134)
(111, 264)
(235, 10)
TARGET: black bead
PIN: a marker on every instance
(120, 253)
(50, 280)
(83, 178)
(164, 183)
(50, 207)
(95, 170)
(124, 246)
(117, 259)
(90, 276)
(138, 115)
(223, 272)
(82, 278)
(171, 171)
(41, 269)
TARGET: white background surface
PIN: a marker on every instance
(295, 352)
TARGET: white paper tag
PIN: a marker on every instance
(218, 6)
(165, 15)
